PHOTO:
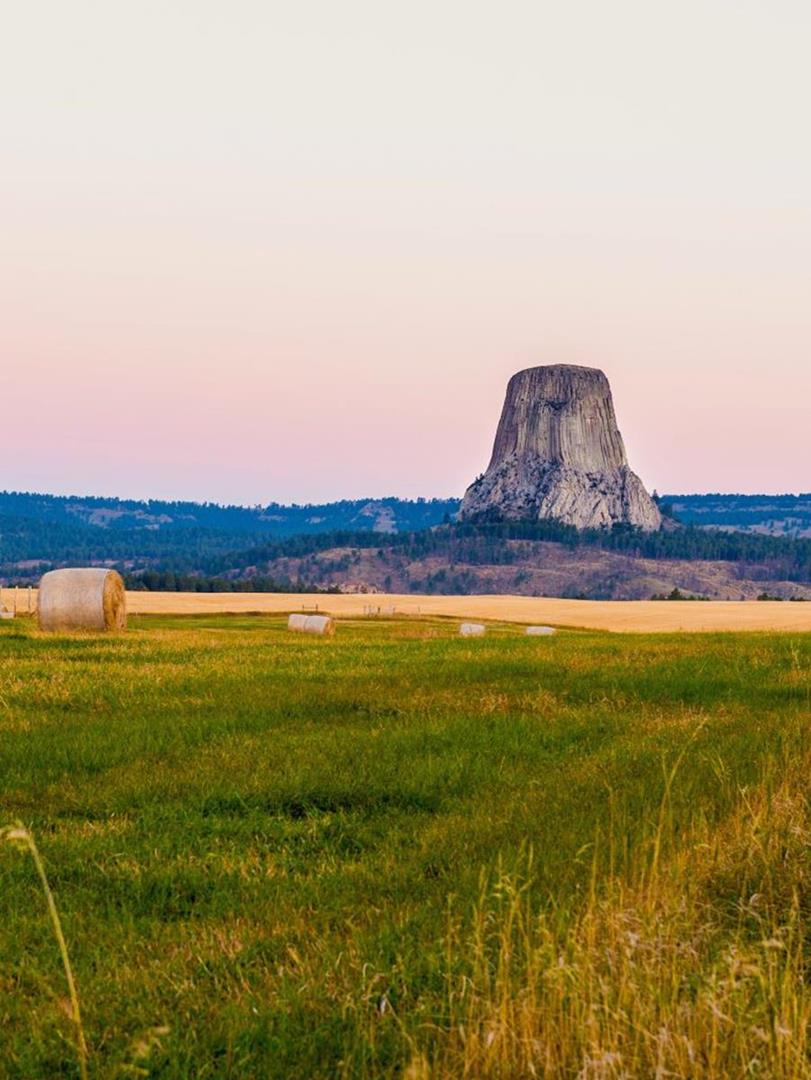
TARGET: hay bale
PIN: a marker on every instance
(92, 599)
(538, 631)
(319, 624)
(472, 629)
(311, 624)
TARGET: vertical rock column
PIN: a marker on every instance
(559, 455)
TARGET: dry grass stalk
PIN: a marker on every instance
(18, 834)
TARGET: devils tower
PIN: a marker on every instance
(559, 454)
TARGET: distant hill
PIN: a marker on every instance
(533, 560)
(777, 515)
(773, 515)
(378, 515)
(544, 558)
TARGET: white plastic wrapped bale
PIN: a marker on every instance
(296, 622)
(82, 599)
(319, 624)
(472, 629)
(541, 631)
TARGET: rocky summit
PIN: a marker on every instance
(559, 454)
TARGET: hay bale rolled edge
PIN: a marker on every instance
(319, 624)
(82, 599)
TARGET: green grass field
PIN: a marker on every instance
(401, 853)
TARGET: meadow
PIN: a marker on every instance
(402, 853)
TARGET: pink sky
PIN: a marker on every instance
(265, 251)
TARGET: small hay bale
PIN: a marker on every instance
(296, 622)
(91, 599)
(472, 629)
(319, 624)
(540, 631)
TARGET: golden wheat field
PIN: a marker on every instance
(648, 616)
(623, 616)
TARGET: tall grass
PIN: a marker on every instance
(691, 966)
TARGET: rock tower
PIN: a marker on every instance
(559, 454)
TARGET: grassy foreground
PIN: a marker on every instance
(403, 853)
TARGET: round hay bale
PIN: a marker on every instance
(472, 629)
(296, 622)
(91, 599)
(539, 631)
(319, 624)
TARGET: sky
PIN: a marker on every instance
(256, 251)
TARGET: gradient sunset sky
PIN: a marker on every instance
(293, 250)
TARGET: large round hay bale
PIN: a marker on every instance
(87, 599)
(319, 624)
(296, 621)
(540, 631)
(472, 629)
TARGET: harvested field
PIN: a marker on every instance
(630, 616)
(620, 616)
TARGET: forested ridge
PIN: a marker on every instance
(165, 555)
(484, 544)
